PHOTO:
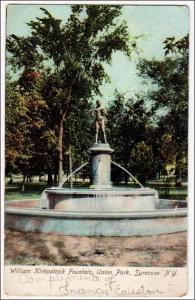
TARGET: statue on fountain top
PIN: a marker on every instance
(100, 114)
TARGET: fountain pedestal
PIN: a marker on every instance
(100, 156)
(100, 211)
(101, 196)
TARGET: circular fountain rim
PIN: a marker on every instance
(117, 190)
(35, 219)
(158, 213)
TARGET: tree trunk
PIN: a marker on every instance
(28, 179)
(23, 182)
(11, 178)
(55, 178)
(60, 140)
(60, 144)
(49, 179)
(70, 167)
(126, 175)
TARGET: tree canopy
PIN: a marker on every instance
(170, 77)
(60, 67)
(68, 61)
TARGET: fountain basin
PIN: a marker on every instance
(101, 210)
(101, 200)
(27, 216)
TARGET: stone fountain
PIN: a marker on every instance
(102, 209)
(101, 197)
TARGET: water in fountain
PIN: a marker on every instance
(101, 196)
(102, 209)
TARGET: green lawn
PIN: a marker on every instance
(34, 190)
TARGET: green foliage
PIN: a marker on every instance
(176, 46)
(142, 161)
(166, 149)
(60, 68)
(24, 124)
(170, 78)
(77, 49)
(129, 123)
(67, 60)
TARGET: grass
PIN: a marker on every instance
(20, 196)
(34, 190)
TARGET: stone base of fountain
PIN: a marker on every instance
(100, 161)
(101, 210)
(27, 216)
(104, 200)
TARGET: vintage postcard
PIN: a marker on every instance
(97, 125)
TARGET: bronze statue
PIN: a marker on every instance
(100, 114)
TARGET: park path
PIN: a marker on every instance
(52, 249)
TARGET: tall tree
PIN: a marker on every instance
(142, 161)
(129, 123)
(24, 124)
(75, 53)
(170, 93)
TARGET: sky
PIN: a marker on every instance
(154, 22)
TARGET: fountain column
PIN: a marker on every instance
(100, 162)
